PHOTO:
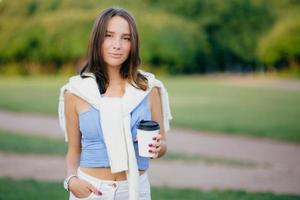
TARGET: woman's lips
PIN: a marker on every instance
(115, 55)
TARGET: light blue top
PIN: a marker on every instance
(93, 148)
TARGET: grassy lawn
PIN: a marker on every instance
(38, 94)
(29, 144)
(213, 105)
(199, 103)
(188, 158)
(11, 189)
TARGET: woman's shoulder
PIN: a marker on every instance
(70, 97)
(154, 92)
(77, 81)
(147, 75)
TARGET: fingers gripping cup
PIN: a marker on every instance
(146, 131)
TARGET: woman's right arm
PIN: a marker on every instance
(79, 188)
(72, 127)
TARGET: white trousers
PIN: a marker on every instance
(113, 190)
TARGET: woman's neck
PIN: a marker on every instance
(117, 84)
(114, 76)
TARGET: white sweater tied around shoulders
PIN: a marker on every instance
(115, 120)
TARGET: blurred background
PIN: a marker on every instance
(182, 37)
(232, 70)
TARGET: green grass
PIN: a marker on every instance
(27, 144)
(199, 103)
(30, 189)
(37, 95)
(191, 158)
(11, 189)
(213, 105)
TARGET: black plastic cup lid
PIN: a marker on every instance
(148, 125)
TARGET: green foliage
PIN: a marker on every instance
(165, 44)
(234, 32)
(180, 37)
(281, 45)
(231, 29)
(189, 8)
(58, 37)
(53, 38)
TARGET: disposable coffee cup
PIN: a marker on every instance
(146, 131)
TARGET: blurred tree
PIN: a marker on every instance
(231, 27)
(165, 44)
(281, 46)
(233, 33)
(192, 36)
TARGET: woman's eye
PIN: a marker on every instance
(127, 38)
(108, 35)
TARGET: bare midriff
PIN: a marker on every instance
(105, 173)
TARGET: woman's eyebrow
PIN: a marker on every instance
(125, 34)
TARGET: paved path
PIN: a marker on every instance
(277, 163)
(162, 173)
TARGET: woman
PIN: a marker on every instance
(100, 109)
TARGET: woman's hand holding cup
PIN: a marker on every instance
(149, 139)
(155, 147)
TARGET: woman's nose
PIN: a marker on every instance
(117, 44)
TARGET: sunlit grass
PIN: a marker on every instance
(29, 144)
(213, 105)
(192, 158)
(199, 103)
(11, 189)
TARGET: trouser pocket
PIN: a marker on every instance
(106, 195)
(73, 197)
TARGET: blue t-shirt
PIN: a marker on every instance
(93, 148)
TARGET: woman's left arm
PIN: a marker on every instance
(159, 146)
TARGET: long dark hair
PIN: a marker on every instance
(95, 63)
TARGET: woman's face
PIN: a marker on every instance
(117, 42)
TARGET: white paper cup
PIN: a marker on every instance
(146, 131)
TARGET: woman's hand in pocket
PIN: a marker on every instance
(81, 188)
